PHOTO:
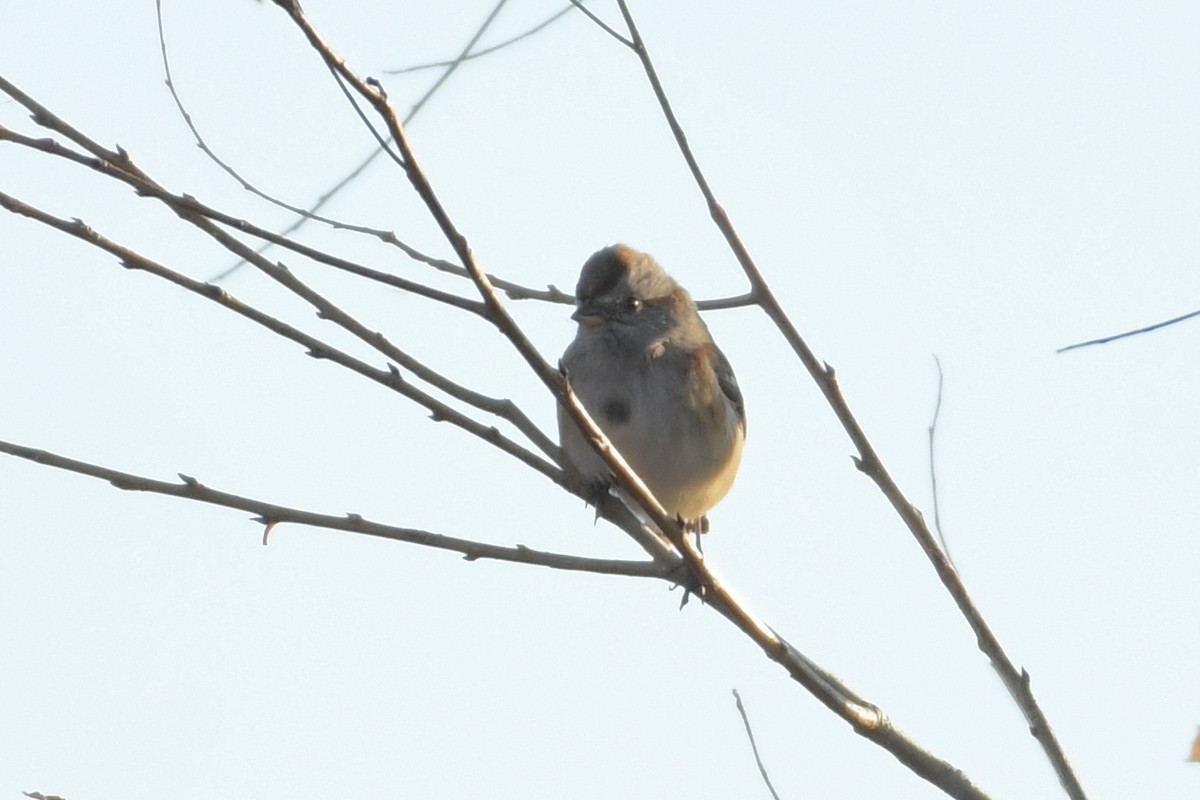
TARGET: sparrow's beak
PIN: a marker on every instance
(588, 315)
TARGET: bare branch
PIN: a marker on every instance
(271, 514)
(304, 215)
(762, 770)
(937, 514)
(485, 51)
(202, 143)
(722, 303)
(188, 203)
(122, 167)
(650, 540)
(514, 290)
(604, 26)
(390, 377)
(867, 461)
(867, 719)
(372, 92)
(1127, 334)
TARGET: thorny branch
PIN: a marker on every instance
(271, 514)
(316, 348)
(1016, 682)
(310, 213)
(513, 290)
(866, 719)
(469, 55)
(120, 165)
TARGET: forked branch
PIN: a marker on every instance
(867, 719)
(271, 514)
(868, 461)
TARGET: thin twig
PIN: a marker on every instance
(497, 313)
(762, 770)
(119, 165)
(604, 26)
(487, 50)
(1126, 334)
(304, 215)
(385, 144)
(868, 720)
(271, 514)
(189, 203)
(611, 509)
(868, 461)
(650, 540)
(933, 484)
(514, 290)
(316, 348)
(202, 143)
(723, 303)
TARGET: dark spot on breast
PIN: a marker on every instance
(615, 410)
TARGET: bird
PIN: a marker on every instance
(646, 368)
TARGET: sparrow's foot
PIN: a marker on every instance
(599, 491)
(696, 527)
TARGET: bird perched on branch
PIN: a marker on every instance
(645, 367)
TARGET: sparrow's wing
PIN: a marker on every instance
(728, 383)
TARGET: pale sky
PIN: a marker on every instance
(980, 182)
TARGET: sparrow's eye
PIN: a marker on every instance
(633, 304)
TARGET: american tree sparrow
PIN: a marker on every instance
(645, 367)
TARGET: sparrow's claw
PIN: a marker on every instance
(598, 492)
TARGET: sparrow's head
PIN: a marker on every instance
(623, 286)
